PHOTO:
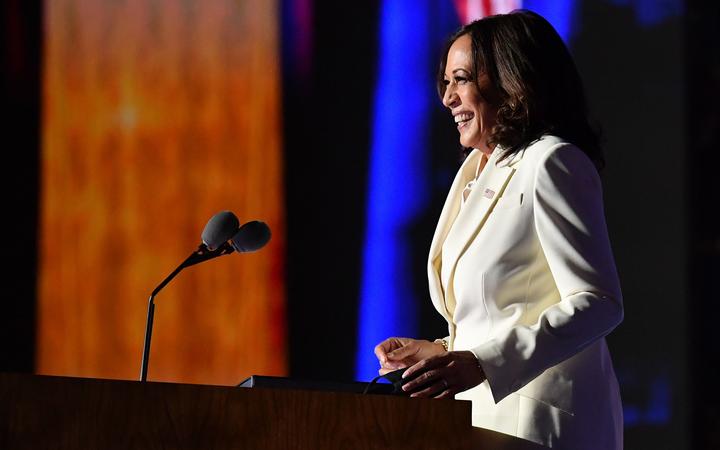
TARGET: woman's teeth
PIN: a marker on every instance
(464, 117)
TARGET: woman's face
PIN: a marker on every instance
(474, 116)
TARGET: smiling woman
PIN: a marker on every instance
(529, 87)
(466, 94)
(520, 265)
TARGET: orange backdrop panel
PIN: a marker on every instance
(156, 115)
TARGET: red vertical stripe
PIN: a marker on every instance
(488, 8)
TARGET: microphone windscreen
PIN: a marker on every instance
(251, 237)
(219, 229)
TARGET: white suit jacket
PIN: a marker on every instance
(528, 267)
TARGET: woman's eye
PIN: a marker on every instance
(446, 82)
(460, 80)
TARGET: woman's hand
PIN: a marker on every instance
(443, 375)
(397, 352)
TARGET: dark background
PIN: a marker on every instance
(654, 89)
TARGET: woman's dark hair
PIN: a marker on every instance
(535, 81)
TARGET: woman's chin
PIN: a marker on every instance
(468, 143)
(468, 139)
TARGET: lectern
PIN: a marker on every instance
(44, 412)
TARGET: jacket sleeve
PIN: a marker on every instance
(570, 225)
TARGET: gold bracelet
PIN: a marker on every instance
(442, 342)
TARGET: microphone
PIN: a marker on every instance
(251, 237)
(221, 236)
(219, 229)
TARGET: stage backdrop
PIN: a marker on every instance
(156, 115)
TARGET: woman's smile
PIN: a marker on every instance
(461, 119)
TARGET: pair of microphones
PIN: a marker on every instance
(223, 231)
(221, 236)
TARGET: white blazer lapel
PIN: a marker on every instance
(447, 217)
(488, 188)
(452, 203)
(451, 239)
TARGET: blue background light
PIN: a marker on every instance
(397, 184)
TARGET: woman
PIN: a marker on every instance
(520, 265)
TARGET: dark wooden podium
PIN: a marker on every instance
(43, 412)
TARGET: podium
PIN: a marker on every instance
(60, 413)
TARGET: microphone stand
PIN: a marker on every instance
(198, 256)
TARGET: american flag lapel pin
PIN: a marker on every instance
(489, 193)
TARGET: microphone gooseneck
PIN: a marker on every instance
(221, 236)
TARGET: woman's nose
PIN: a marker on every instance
(450, 98)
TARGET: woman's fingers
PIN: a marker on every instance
(404, 352)
(388, 346)
(395, 349)
(395, 367)
(423, 380)
(447, 393)
(390, 366)
(437, 388)
(427, 364)
(399, 352)
(443, 376)
(381, 352)
(430, 391)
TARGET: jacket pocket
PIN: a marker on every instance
(552, 388)
(543, 423)
(509, 201)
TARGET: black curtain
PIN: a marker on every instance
(327, 114)
(21, 54)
